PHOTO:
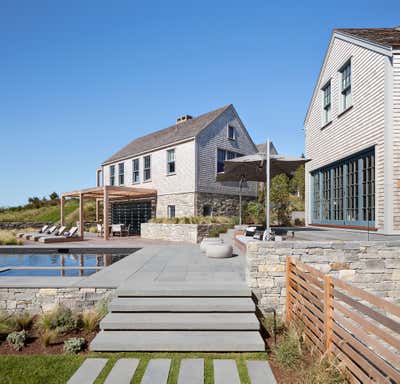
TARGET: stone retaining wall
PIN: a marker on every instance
(190, 233)
(20, 225)
(38, 300)
(373, 266)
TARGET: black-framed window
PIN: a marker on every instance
(121, 173)
(231, 132)
(147, 168)
(326, 194)
(368, 187)
(171, 211)
(346, 86)
(135, 171)
(171, 167)
(327, 105)
(316, 196)
(352, 190)
(112, 174)
(221, 156)
(338, 192)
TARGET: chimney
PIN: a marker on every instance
(183, 118)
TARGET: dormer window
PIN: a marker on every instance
(345, 85)
(327, 105)
(231, 132)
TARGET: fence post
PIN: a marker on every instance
(328, 312)
(288, 306)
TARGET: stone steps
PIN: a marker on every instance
(182, 341)
(182, 304)
(180, 321)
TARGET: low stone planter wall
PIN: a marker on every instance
(373, 266)
(20, 225)
(38, 300)
(190, 233)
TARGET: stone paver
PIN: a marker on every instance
(122, 371)
(225, 372)
(157, 371)
(191, 371)
(260, 372)
(88, 371)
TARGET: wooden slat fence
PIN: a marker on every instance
(360, 329)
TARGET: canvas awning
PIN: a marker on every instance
(105, 193)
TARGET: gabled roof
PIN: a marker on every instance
(263, 148)
(175, 133)
(388, 37)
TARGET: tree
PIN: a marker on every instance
(35, 202)
(279, 197)
(297, 185)
(54, 196)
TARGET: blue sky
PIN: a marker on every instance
(80, 79)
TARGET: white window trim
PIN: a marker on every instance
(166, 152)
(121, 174)
(144, 169)
(342, 109)
(324, 122)
(111, 174)
(133, 170)
(234, 132)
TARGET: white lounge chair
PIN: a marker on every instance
(70, 235)
(41, 230)
(49, 231)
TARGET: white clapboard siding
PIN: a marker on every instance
(396, 139)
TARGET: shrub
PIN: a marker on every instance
(255, 212)
(268, 323)
(17, 339)
(230, 221)
(8, 237)
(60, 319)
(48, 337)
(7, 324)
(90, 320)
(102, 307)
(324, 370)
(23, 321)
(299, 222)
(288, 352)
(74, 345)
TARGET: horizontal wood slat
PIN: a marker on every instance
(345, 321)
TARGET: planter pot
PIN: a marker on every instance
(219, 251)
(209, 240)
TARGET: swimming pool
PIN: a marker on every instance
(56, 264)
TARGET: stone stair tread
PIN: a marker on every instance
(260, 372)
(225, 372)
(180, 321)
(205, 289)
(182, 304)
(157, 371)
(122, 371)
(239, 341)
(191, 371)
(88, 371)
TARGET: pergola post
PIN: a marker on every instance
(97, 210)
(105, 213)
(81, 218)
(62, 214)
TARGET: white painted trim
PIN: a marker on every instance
(388, 149)
(387, 51)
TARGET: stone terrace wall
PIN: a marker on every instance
(37, 300)
(373, 266)
(191, 233)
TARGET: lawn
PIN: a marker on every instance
(58, 369)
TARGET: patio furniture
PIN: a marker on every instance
(125, 230)
(209, 240)
(219, 251)
(34, 236)
(119, 230)
(99, 229)
(41, 230)
(70, 235)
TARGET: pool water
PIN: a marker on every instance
(55, 264)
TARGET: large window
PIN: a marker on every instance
(121, 173)
(327, 103)
(223, 155)
(147, 168)
(346, 86)
(344, 193)
(171, 161)
(135, 171)
(112, 174)
(171, 211)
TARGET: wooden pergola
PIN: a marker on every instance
(105, 194)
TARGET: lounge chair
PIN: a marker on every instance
(58, 232)
(41, 230)
(70, 235)
(49, 231)
(99, 230)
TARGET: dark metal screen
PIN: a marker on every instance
(131, 213)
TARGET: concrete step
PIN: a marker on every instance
(157, 371)
(182, 304)
(207, 341)
(260, 372)
(180, 321)
(225, 372)
(122, 371)
(184, 289)
(88, 371)
(191, 371)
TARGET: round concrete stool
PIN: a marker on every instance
(209, 240)
(219, 251)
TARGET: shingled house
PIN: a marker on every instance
(181, 163)
(352, 133)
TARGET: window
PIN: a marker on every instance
(112, 174)
(121, 173)
(352, 190)
(327, 102)
(338, 192)
(230, 155)
(207, 211)
(368, 187)
(99, 178)
(316, 202)
(171, 161)
(171, 211)
(221, 154)
(326, 194)
(147, 168)
(135, 171)
(346, 86)
(231, 132)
